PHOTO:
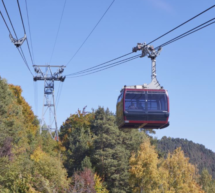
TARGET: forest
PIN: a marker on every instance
(93, 155)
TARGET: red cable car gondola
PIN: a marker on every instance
(144, 106)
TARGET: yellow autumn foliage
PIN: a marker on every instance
(38, 154)
(181, 175)
(99, 187)
(26, 109)
(144, 174)
(175, 174)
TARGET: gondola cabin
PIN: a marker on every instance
(139, 107)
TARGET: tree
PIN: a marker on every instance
(206, 181)
(29, 162)
(144, 174)
(198, 154)
(182, 176)
(86, 163)
(99, 187)
(112, 149)
(80, 145)
(83, 182)
(148, 174)
(79, 120)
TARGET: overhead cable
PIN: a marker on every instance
(5, 22)
(61, 88)
(111, 66)
(193, 30)
(182, 24)
(94, 67)
(107, 65)
(86, 70)
(19, 49)
(58, 31)
(91, 32)
(20, 12)
(35, 97)
(29, 28)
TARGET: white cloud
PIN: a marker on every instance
(161, 4)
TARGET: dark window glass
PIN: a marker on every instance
(157, 102)
(135, 101)
(120, 97)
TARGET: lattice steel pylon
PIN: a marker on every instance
(49, 78)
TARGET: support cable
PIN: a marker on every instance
(20, 12)
(29, 28)
(24, 59)
(5, 22)
(119, 63)
(182, 24)
(108, 65)
(195, 29)
(91, 32)
(61, 88)
(89, 69)
(83, 71)
(58, 31)
(20, 51)
(9, 19)
(35, 98)
(189, 32)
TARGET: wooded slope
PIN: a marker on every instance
(198, 154)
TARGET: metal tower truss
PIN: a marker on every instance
(49, 109)
(148, 50)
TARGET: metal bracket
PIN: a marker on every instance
(16, 42)
(148, 50)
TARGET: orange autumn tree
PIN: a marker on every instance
(30, 121)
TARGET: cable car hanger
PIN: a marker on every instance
(144, 106)
(148, 50)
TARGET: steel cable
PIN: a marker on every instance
(118, 63)
(182, 24)
(29, 28)
(91, 32)
(20, 12)
(20, 51)
(193, 30)
(58, 31)
(83, 71)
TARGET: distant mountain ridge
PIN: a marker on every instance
(198, 154)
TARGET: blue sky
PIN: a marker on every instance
(185, 68)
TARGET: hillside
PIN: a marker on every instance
(93, 155)
(198, 154)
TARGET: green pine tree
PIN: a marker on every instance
(112, 150)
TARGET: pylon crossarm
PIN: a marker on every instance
(49, 77)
